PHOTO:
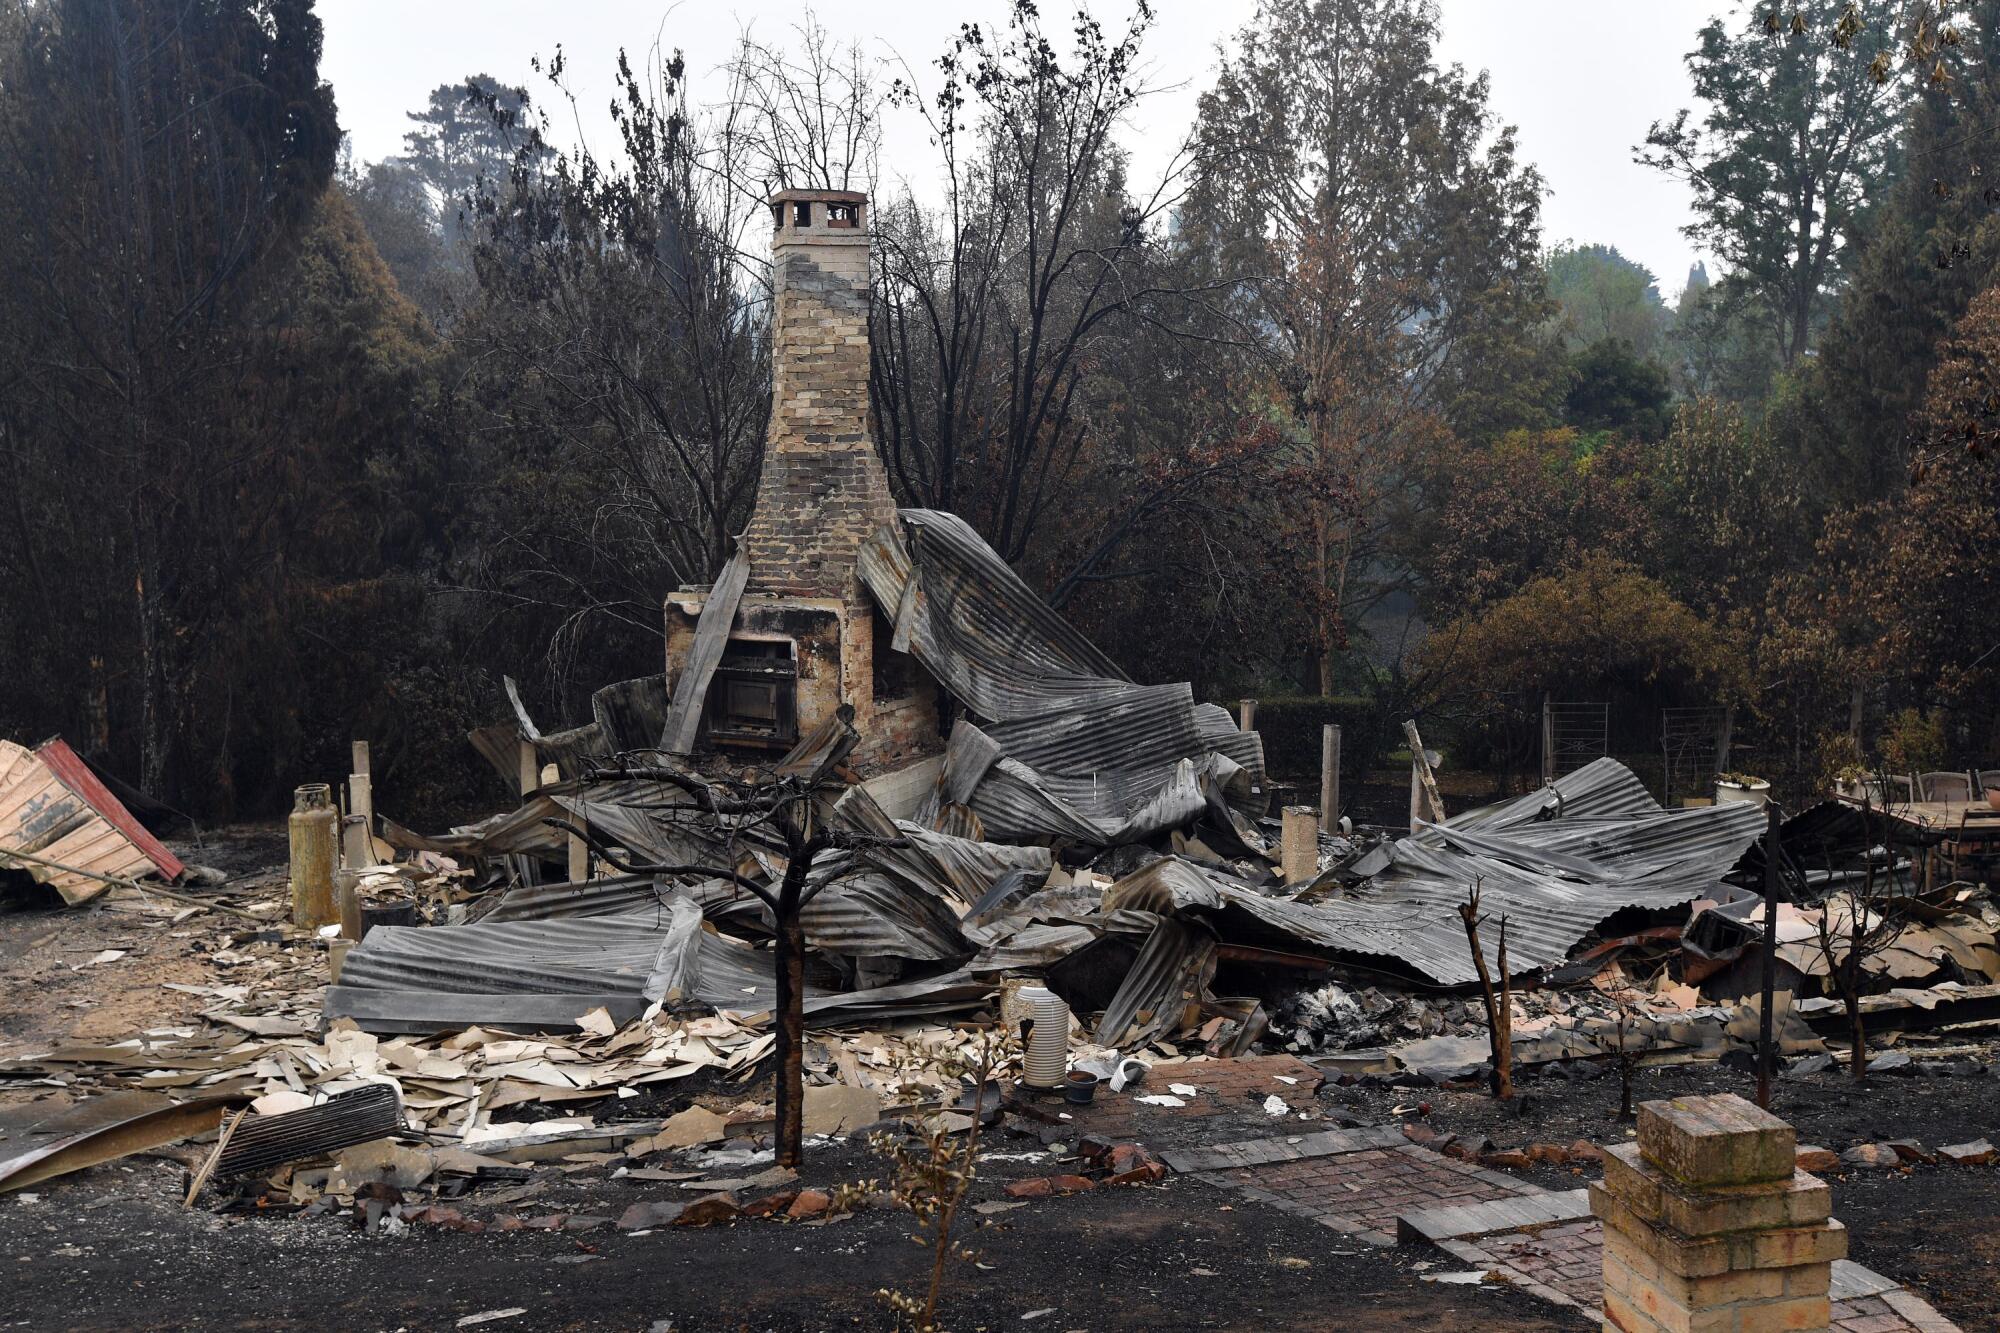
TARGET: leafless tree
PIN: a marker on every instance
(1500, 1005)
(1859, 923)
(995, 308)
(779, 815)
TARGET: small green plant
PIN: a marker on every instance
(932, 1176)
(1838, 758)
(1913, 742)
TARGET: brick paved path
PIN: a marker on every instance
(1354, 1181)
(1567, 1258)
(1563, 1262)
(1373, 1184)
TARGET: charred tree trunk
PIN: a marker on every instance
(1857, 1064)
(1500, 1007)
(789, 1022)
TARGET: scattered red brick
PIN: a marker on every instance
(1131, 1164)
(810, 1203)
(1041, 1187)
(1548, 1154)
(770, 1203)
(1583, 1150)
(708, 1211)
(1812, 1157)
(1512, 1158)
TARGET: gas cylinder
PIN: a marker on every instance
(315, 831)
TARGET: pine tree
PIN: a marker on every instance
(1937, 246)
(1795, 136)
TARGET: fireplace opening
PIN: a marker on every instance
(753, 698)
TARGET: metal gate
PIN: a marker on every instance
(1694, 742)
(1572, 735)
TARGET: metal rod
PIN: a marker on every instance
(1766, 1053)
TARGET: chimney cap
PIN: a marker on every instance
(818, 197)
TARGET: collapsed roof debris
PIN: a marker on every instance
(1065, 745)
(63, 826)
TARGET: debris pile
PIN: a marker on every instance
(507, 989)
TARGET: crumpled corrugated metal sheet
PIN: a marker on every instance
(1609, 826)
(956, 868)
(53, 807)
(1171, 973)
(613, 895)
(736, 978)
(1030, 948)
(652, 821)
(868, 914)
(545, 974)
(1062, 744)
(541, 974)
(517, 830)
(999, 648)
(1554, 880)
(625, 715)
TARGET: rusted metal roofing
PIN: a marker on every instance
(73, 1135)
(55, 809)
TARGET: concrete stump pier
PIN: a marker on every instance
(1709, 1227)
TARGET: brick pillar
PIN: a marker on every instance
(1298, 844)
(1709, 1227)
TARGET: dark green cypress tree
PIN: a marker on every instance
(1936, 245)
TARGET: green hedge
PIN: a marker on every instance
(1291, 728)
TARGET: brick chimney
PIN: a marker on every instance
(824, 490)
(806, 638)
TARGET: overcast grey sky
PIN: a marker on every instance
(1581, 78)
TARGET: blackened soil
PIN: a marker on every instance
(1936, 1228)
(111, 1249)
(1951, 1101)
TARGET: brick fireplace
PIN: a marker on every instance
(806, 638)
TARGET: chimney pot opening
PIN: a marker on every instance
(843, 215)
(802, 213)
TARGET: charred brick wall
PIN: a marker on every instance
(822, 494)
(823, 490)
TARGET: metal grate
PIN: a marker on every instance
(1691, 743)
(1573, 734)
